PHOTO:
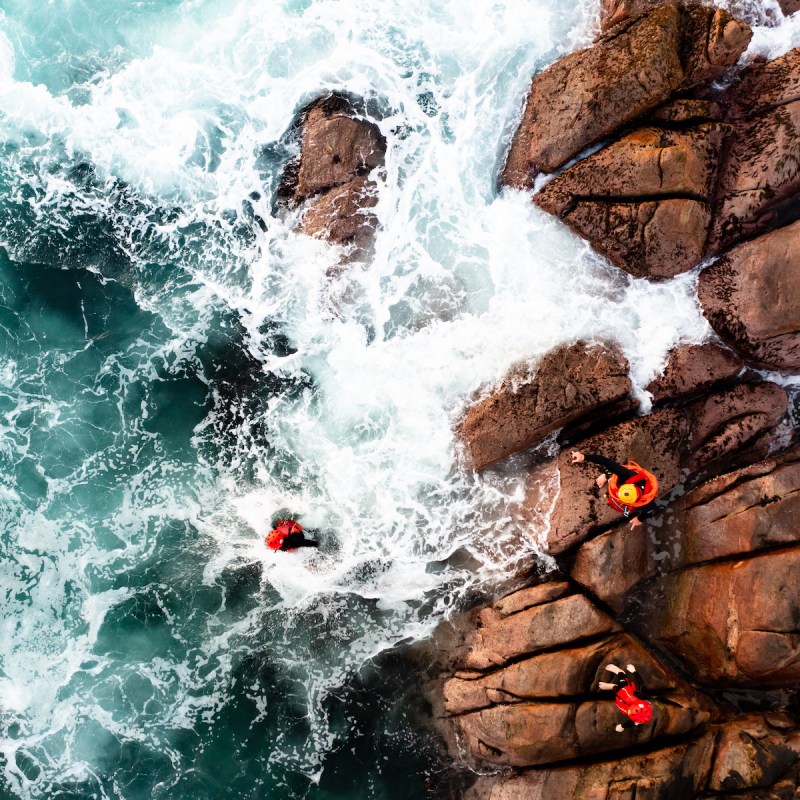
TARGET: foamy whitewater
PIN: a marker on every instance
(172, 372)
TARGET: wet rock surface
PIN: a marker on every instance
(572, 382)
(700, 171)
(334, 175)
(752, 299)
(637, 67)
(702, 599)
(704, 596)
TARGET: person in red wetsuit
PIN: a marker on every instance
(632, 490)
(288, 535)
(637, 710)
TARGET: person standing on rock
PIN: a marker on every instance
(288, 535)
(637, 711)
(632, 490)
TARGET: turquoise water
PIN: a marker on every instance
(171, 373)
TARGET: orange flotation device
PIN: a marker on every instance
(637, 491)
(278, 534)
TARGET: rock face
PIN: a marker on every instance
(644, 200)
(699, 174)
(571, 382)
(529, 696)
(758, 175)
(588, 95)
(745, 512)
(703, 600)
(752, 299)
(694, 369)
(672, 442)
(336, 147)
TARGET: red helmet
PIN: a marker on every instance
(275, 539)
(641, 712)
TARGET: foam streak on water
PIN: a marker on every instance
(171, 374)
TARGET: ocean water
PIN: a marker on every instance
(176, 365)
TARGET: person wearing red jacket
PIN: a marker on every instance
(629, 688)
(632, 490)
(287, 535)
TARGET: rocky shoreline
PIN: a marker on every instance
(665, 154)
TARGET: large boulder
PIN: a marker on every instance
(759, 175)
(733, 622)
(344, 216)
(734, 515)
(642, 201)
(693, 369)
(751, 297)
(587, 95)
(573, 382)
(748, 754)
(672, 442)
(679, 771)
(336, 147)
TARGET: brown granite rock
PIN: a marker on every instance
(572, 382)
(587, 95)
(679, 771)
(500, 640)
(735, 622)
(736, 514)
(343, 216)
(753, 753)
(692, 369)
(687, 110)
(671, 442)
(609, 198)
(336, 148)
(764, 85)
(789, 6)
(758, 174)
(562, 674)
(751, 297)
(528, 734)
(654, 239)
(528, 691)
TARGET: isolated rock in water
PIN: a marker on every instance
(736, 514)
(693, 369)
(572, 382)
(751, 297)
(672, 443)
(343, 216)
(612, 198)
(789, 6)
(587, 95)
(758, 175)
(335, 149)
